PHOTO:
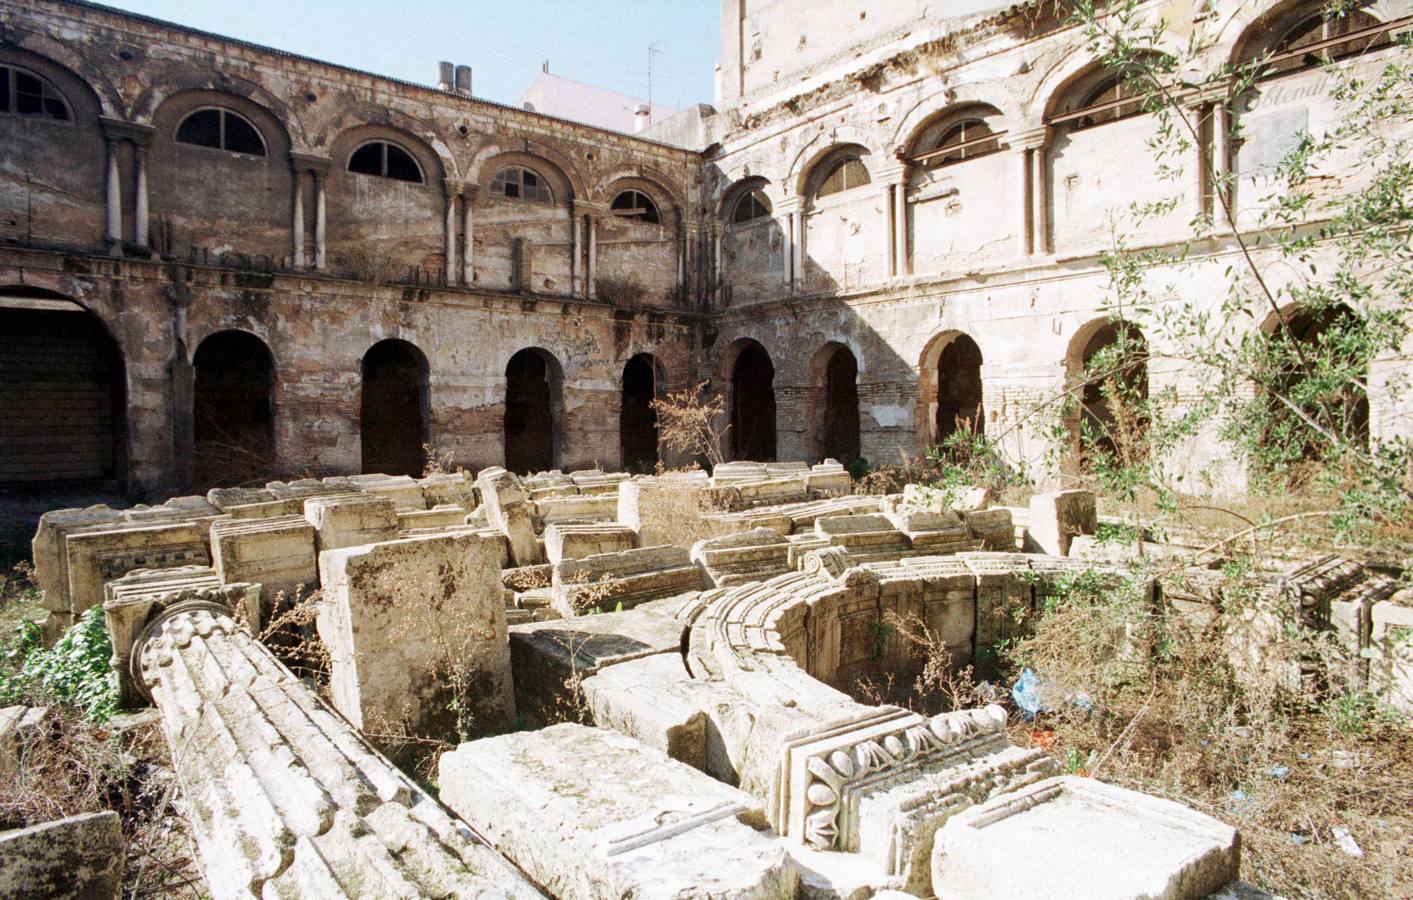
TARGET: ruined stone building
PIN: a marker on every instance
(213, 253)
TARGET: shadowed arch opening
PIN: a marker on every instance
(1328, 340)
(64, 415)
(1109, 359)
(534, 406)
(393, 415)
(643, 382)
(233, 419)
(753, 404)
(956, 377)
(834, 376)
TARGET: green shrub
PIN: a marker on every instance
(75, 671)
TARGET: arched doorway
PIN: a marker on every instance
(753, 404)
(393, 413)
(643, 382)
(834, 372)
(233, 420)
(1110, 359)
(959, 403)
(534, 385)
(1327, 339)
(63, 418)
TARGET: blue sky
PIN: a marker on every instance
(603, 42)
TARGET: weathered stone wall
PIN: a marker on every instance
(321, 263)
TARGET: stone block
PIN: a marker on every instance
(1077, 837)
(81, 856)
(97, 557)
(614, 581)
(583, 508)
(578, 541)
(755, 555)
(1058, 517)
(508, 511)
(444, 516)
(663, 509)
(1391, 654)
(655, 700)
(398, 616)
(402, 490)
(657, 829)
(992, 527)
(350, 521)
(49, 551)
(278, 554)
(548, 655)
(20, 726)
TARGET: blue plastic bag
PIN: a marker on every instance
(1026, 693)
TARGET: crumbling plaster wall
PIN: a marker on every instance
(1005, 247)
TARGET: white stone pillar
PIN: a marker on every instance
(801, 230)
(114, 194)
(1041, 195)
(140, 211)
(716, 231)
(885, 202)
(1025, 225)
(900, 224)
(449, 192)
(592, 289)
(576, 253)
(786, 212)
(296, 228)
(1224, 162)
(320, 224)
(468, 224)
(1032, 148)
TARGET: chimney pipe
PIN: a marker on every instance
(444, 76)
(641, 118)
(463, 80)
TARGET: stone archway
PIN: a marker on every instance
(643, 382)
(534, 401)
(393, 411)
(753, 426)
(834, 376)
(1108, 358)
(233, 420)
(65, 409)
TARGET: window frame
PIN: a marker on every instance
(968, 148)
(222, 112)
(650, 216)
(837, 167)
(383, 145)
(746, 196)
(1374, 34)
(11, 98)
(543, 187)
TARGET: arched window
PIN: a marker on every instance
(1108, 101)
(753, 205)
(964, 140)
(1315, 40)
(27, 94)
(386, 161)
(846, 174)
(519, 183)
(637, 206)
(222, 129)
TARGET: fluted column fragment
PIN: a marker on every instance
(286, 798)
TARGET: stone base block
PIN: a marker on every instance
(81, 856)
(656, 828)
(1076, 837)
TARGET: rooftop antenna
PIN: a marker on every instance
(652, 48)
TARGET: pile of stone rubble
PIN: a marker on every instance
(723, 760)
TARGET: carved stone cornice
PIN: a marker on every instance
(120, 130)
(307, 162)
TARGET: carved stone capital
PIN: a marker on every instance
(119, 130)
(306, 162)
